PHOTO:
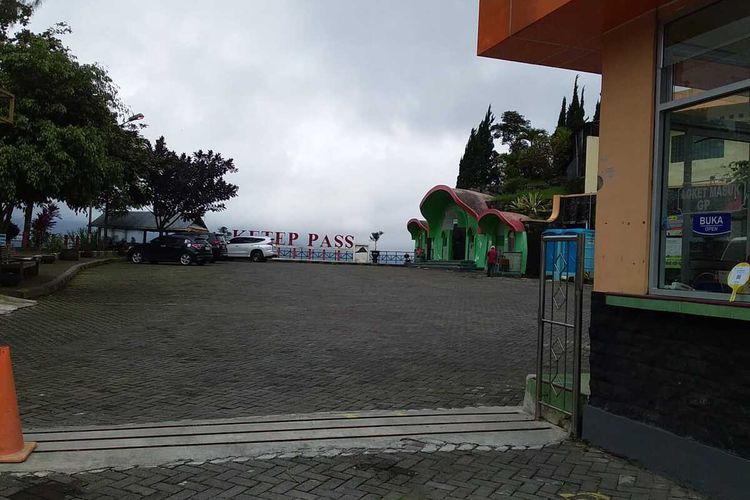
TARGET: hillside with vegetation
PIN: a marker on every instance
(533, 166)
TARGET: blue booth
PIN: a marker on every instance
(554, 249)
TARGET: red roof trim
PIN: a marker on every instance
(511, 219)
(453, 195)
(422, 224)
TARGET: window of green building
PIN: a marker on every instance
(703, 150)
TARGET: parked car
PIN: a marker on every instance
(257, 248)
(185, 249)
(217, 241)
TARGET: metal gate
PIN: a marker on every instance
(558, 373)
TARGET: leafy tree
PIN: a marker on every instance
(129, 152)
(534, 159)
(561, 143)
(66, 114)
(184, 186)
(529, 153)
(476, 166)
(13, 12)
(512, 129)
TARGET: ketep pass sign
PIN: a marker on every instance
(712, 224)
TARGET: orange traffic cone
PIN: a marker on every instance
(12, 447)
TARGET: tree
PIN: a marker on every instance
(534, 159)
(561, 116)
(597, 111)
(45, 220)
(476, 165)
(185, 186)
(575, 118)
(374, 237)
(529, 153)
(512, 128)
(66, 113)
(561, 144)
(128, 150)
(467, 165)
(13, 12)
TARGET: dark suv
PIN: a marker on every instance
(185, 249)
(219, 244)
(217, 241)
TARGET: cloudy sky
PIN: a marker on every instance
(340, 114)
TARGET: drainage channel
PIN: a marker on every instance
(76, 449)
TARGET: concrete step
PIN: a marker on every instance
(84, 448)
(458, 265)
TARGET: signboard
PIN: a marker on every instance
(738, 278)
(712, 198)
(674, 225)
(673, 253)
(712, 224)
(291, 238)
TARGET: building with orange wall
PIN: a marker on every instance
(670, 354)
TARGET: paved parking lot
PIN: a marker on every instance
(568, 470)
(127, 343)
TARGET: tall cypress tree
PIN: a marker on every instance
(475, 167)
(563, 109)
(576, 116)
(582, 106)
(597, 111)
(467, 164)
(485, 148)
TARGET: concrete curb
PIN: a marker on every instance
(59, 282)
(333, 262)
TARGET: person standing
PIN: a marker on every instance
(491, 261)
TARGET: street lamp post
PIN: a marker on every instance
(132, 118)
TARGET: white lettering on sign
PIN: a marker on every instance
(711, 220)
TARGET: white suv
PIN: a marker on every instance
(257, 248)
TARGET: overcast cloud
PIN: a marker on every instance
(340, 114)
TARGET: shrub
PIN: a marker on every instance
(54, 244)
(531, 203)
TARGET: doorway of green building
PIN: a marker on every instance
(459, 243)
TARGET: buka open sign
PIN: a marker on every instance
(712, 224)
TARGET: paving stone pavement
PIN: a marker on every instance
(554, 472)
(143, 343)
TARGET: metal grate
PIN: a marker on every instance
(558, 377)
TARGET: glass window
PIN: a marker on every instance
(705, 146)
(704, 208)
(706, 50)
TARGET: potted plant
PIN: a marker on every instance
(375, 254)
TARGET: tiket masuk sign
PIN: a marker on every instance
(290, 238)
